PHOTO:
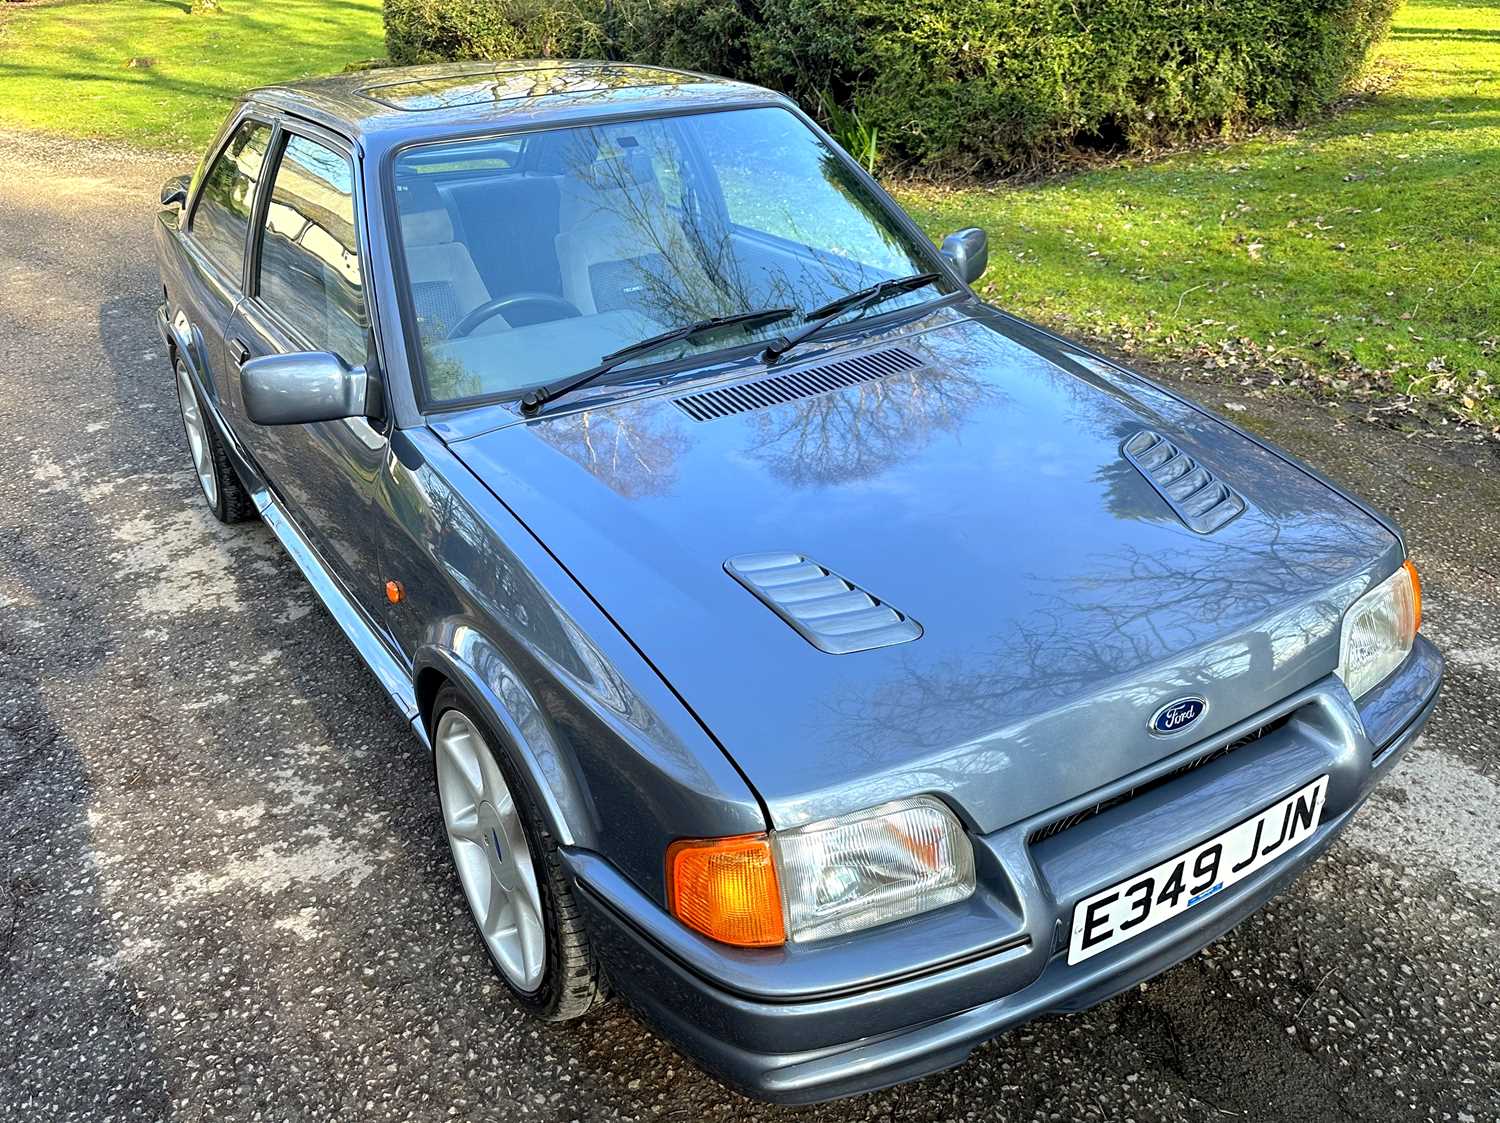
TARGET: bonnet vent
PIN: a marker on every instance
(1193, 492)
(832, 614)
(805, 383)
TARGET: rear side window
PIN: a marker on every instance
(221, 218)
(309, 257)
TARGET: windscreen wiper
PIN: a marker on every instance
(822, 316)
(689, 332)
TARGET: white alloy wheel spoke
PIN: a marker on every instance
(499, 912)
(532, 936)
(491, 852)
(197, 437)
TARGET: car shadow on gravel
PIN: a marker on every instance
(1238, 1059)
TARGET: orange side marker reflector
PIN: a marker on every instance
(1416, 588)
(726, 888)
(394, 592)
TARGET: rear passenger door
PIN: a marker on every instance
(306, 292)
(214, 250)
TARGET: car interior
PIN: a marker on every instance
(576, 242)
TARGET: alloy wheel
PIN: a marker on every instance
(490, 851)
(197, 436)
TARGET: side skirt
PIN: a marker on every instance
(372, 649)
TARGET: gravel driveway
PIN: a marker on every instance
(224, 890)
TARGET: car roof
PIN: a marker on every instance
(399, 103)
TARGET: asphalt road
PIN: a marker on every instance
(224, 893)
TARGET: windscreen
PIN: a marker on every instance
(531, 257)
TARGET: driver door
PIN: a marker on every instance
(305, 292)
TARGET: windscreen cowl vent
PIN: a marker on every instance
(830, 612)
(1193, 492)
(710, 405)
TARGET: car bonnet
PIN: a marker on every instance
(992, 490)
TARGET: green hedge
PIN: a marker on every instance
(956, 85)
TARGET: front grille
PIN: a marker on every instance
(1068, 822)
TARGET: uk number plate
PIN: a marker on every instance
(1154, 896)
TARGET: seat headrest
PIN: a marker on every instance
(426, 228)
(604, 159)
(631, 170)
(620, 190)
(425, 221)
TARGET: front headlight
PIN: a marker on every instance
(872, 867)
(824, 879)
(1379, 630)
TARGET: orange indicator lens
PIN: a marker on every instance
(1416, 594)
(726, 888)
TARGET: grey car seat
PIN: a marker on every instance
(621, 247)
(445, 284)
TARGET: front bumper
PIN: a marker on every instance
(794, 1027)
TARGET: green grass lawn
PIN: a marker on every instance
(66, 67)
(1358, 256)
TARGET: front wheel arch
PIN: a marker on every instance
(542, 762)
(428, 683)
(570, 979)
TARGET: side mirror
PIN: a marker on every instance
(301, 388)
(174, 191)
(969, 251)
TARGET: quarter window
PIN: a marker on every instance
(309, 258)
(221, 218)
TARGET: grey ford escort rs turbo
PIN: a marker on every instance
(839, 668)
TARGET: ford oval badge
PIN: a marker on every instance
(1176, 716)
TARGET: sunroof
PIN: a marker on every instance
(484, 86)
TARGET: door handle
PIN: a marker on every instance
(238, 352)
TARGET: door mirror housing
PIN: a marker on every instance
(969, 251)
(303, 387)
(175, 191)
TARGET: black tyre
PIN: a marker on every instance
(222, 491)
(509, 869)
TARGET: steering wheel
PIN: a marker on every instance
(491, 308)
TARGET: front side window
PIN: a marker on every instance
(530, 257)
(221, 218)
(309, 256)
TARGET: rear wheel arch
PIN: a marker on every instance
(185, 342)
(219, 480)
